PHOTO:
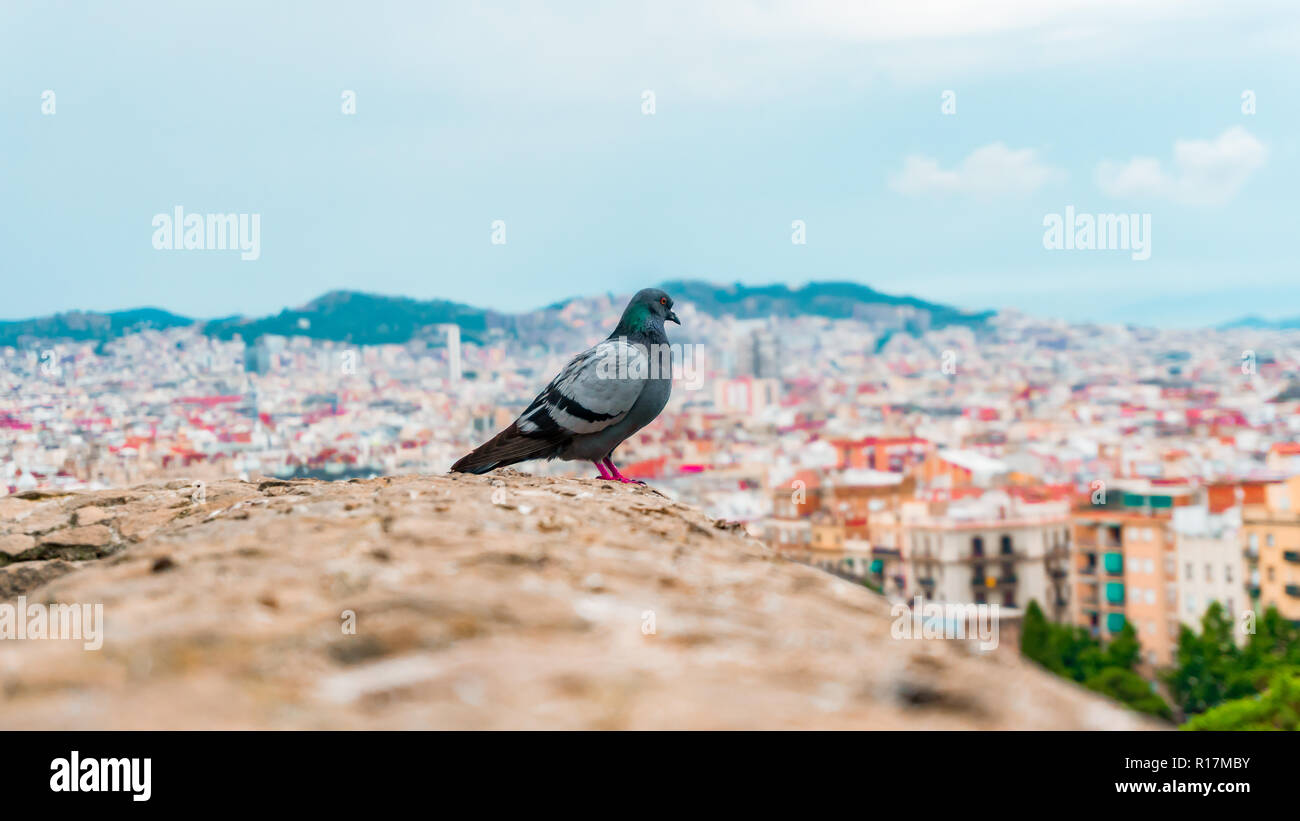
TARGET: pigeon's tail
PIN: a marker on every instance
(507, 448)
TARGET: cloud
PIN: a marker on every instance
(885, 20)
(1205, 172)
(989, 171)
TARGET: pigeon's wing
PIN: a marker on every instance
(595, 390)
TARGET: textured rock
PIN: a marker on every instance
(89, 515)
(469, 602)
(23, 577)
(15, 544)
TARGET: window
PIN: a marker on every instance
(1253, 541)
(1268, 539)
(1190, 573)
(1150, 565)
(1209, 572)
(1151, 596)
(1006, 545)
(1227, 573)
(977, 546)
(1134, 565)
(1148, 535)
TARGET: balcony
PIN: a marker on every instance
(1115, 594)
(1006, 580)
(1114, 563)
(1091, 543)
(1292, 556)
(1293, 590)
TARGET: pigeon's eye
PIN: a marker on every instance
(663, 300)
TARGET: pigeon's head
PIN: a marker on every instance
(650, 307)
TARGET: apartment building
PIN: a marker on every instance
(1270, 537)
(830, 522)
(993, 549)
(897, 454)
(1122, 572)
(1209, 564)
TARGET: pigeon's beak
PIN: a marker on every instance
(672, 317)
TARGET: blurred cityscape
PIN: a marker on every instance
(1114, 474)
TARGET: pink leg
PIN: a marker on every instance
(604, 474)
(609, 463)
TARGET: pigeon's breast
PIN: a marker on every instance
(652, 400)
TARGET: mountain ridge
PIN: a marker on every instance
(367, 318)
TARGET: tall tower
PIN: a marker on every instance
(453, 351)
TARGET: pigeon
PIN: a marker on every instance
(604, 395)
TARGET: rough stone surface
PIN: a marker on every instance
(15, 544)
(504, 601)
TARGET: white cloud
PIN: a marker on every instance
(1204, 172)
(888, 20)
(989, 171)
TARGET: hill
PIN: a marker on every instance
(1258, 323)
(362, 319)
(374, 319)
(834, 300)
(89, 325)
(502, 601)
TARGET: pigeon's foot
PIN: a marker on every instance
(609, 463)
(604, 474)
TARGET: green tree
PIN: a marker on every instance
(1124, 650)
(1275, 642)
(1208, 669)
(1278, 708)
(1079, 655)
(1129, 689)
(1036, 636)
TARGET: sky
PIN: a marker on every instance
(922, 145)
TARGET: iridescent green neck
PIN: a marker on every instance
(636, 320)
